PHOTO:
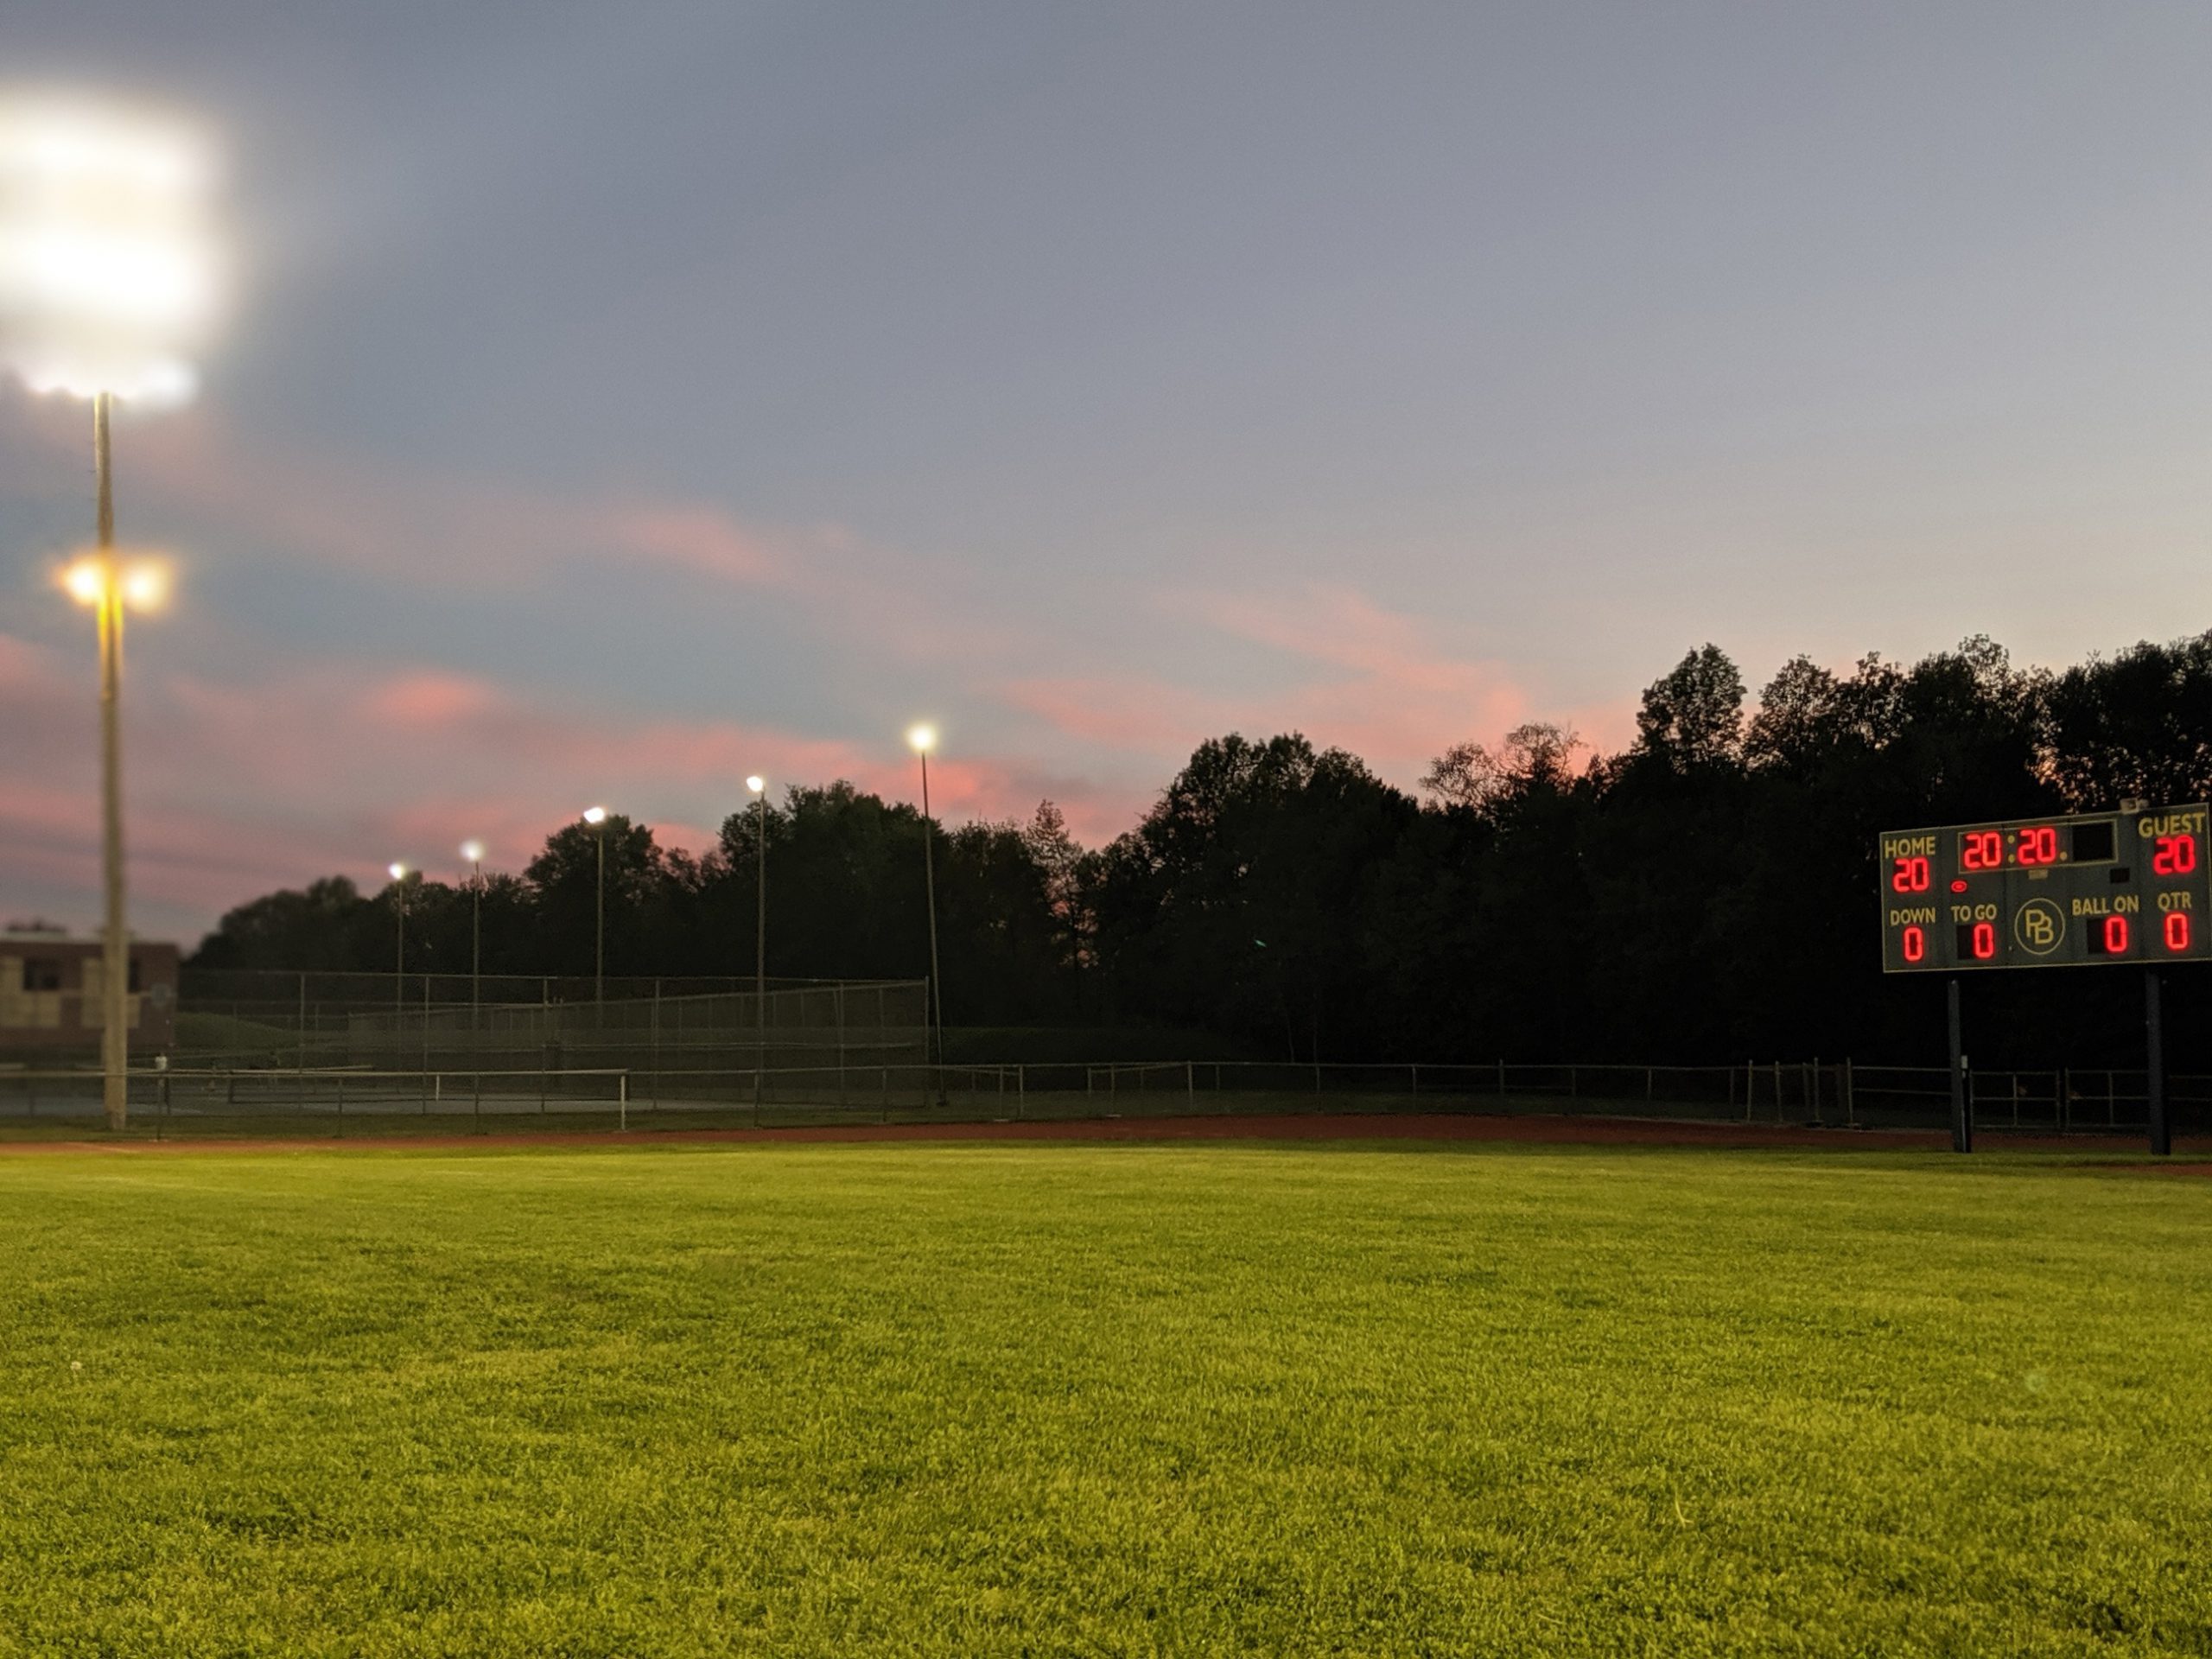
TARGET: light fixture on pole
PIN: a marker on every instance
(759, 785)
(922, 739)
(473, 852)
(398, 873)
(108, 280)
(596, 817)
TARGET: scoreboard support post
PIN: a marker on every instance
(1962, 1107)
(2155, 1082)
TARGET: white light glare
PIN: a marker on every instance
(472, 851)
(142, 583)
(923, 738)
(398, 871)
(111, 275)
(756, 783)
(594, 815)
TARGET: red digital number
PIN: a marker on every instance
(1910, 875)
(2115, 936)
(1984, 941)
(2174, 856)
(2039, 845)
(2177, 929)
(1981, 849)
(1916, 944)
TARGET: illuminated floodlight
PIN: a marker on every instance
(86, 582)
(398, 872)
(594, 815)
(756, 783)
(144, 584)
(111, 270)
(472, 851)
(922, 739)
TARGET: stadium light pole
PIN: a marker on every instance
(398, 873)
(922, 739)
(108, 277)
(596, 817)
(759, 785)
(473, 852)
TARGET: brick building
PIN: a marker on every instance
(50, 1007)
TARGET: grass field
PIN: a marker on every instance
(1101, 1400)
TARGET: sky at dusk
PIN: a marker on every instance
(619, 399)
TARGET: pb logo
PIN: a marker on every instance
(2038, 926)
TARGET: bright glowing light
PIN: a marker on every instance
(84, 581)
(922, 737)
(143, 583)
(111, 275)
(756, 784)
(145, 586)
(398, 871)
(472, 851)
(594, 815)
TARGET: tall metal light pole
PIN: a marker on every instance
(398, 872)
(924, 739)
(108, 271)
(759, 785)
(596, 817)
(109, 587)
(473, 852)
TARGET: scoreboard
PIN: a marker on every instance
(2125, 886)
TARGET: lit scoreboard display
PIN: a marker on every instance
(2125, 886)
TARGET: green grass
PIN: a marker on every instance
(1126, 1399)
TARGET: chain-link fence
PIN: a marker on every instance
(441, 1022)
(696, 1085)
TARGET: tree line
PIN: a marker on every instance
(1708, 893)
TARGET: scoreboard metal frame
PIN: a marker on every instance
(2131, 887)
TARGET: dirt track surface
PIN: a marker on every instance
(1555, 1131)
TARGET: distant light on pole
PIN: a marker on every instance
(759, 785)
(398, 872)
(596, 816)
(473, 852)
(922, 739)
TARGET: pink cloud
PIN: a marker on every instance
(429, 699)
(331, 767)
(1373, 681)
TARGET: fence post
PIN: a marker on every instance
(622, 1083)
(2065, 1096)
(1850, 1105)
(342, 1105)
(1021, 1092)
(1501, 1078)
(1190, 1084)
(1751, 1086)
(1416, 1072)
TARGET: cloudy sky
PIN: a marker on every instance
(622, 398)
